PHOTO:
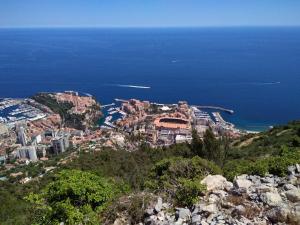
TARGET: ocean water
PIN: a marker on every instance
(254, 71)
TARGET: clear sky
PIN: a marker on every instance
(148, 13)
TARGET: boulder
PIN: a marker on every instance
(264, 188)
(119, 222)
(183, 213)
(271, 198)
(288, 187)
(179, 222)
(211, 208)
(216, 182)
(268, 180)
(278, 214)
(203, 222)
(242, 182)
(158, 205)
(213, 198)
(196, 210)
(291, 170)
(196, 219)
(294, 215)
(292, 179)
(293, 195)
(297, 168)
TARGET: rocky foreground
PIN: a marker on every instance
(248, 200)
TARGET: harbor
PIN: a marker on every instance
(215, 108)
(13, 111)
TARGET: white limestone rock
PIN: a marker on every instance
(216, 182)
(271, 198)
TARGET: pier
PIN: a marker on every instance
(214, 107)
(121, 100)
(104, 106)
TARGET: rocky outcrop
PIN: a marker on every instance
(248, 200)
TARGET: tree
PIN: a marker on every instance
(74, 197)
(197, 144)
(211, 146)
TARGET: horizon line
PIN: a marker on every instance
(148, 27)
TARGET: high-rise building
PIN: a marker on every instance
(22, 136)
(60, 143)
(27, 152)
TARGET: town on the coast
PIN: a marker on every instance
(51, 124)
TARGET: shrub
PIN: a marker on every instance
(130, 207)
(260, 167)
(276, 165)
(74, 197)
(180, 178)
(189, 191)
(234, 168)
(170, 169)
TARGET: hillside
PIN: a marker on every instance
(180, 184)
(269, 143)
(86, 115)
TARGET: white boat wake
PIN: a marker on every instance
(267, 83)
(260, 83)
(130, 86)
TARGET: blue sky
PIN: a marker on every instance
(148, 13)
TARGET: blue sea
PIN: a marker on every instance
(254, 71)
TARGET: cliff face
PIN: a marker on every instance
(76, 111)
(92, 116)
(248, 200)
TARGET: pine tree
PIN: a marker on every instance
(211, 146)
(197, 144)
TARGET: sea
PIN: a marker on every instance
(254, 71)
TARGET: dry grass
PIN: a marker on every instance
(251, 210)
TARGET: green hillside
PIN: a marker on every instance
(119, 180)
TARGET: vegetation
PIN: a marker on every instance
(98, 186)
(132, 207)
(267, 152)
(180, 178)
(74, 197)
(210, 148)
(63, 109)
(276, 165)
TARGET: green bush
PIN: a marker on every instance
(74, 197)
(189, 191)
(234, 168)
(260, 167)
(170, 169)
(180, 177)
(276, 165)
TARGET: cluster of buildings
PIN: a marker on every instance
(32, 148)
(35, 139)
(30, 140)
(159, 124)
(80, 103)
(163, 125)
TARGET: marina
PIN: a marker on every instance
(18, 110)
(108, 105)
